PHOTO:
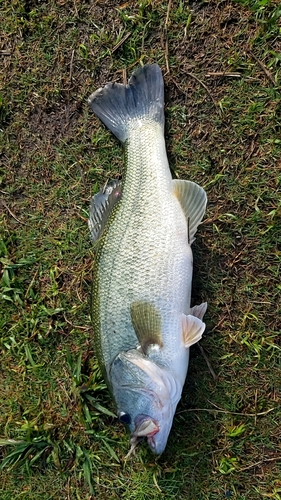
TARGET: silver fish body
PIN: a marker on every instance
(143, 322)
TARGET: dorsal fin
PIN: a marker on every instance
(147, 324)
(193, 200)
(101, 206)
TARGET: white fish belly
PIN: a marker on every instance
(145, 255)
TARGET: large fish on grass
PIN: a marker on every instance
(143, 322)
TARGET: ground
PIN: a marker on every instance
(221, 66)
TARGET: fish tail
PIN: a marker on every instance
(141, 99)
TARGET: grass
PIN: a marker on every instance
(59, 437)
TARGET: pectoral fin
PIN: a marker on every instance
(192, 329)
(147, 324)
(193, 200)
(101, 206)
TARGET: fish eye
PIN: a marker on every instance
(124, 418)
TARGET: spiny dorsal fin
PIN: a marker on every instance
(147, 324)
(193, 200)
(192, 329)
(101, 206)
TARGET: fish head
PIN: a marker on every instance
(146, 396)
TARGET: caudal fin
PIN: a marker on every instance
(142, 98)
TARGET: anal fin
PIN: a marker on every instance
(193, 200)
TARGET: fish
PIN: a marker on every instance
(143, 228)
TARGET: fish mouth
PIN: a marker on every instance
(145, 428)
